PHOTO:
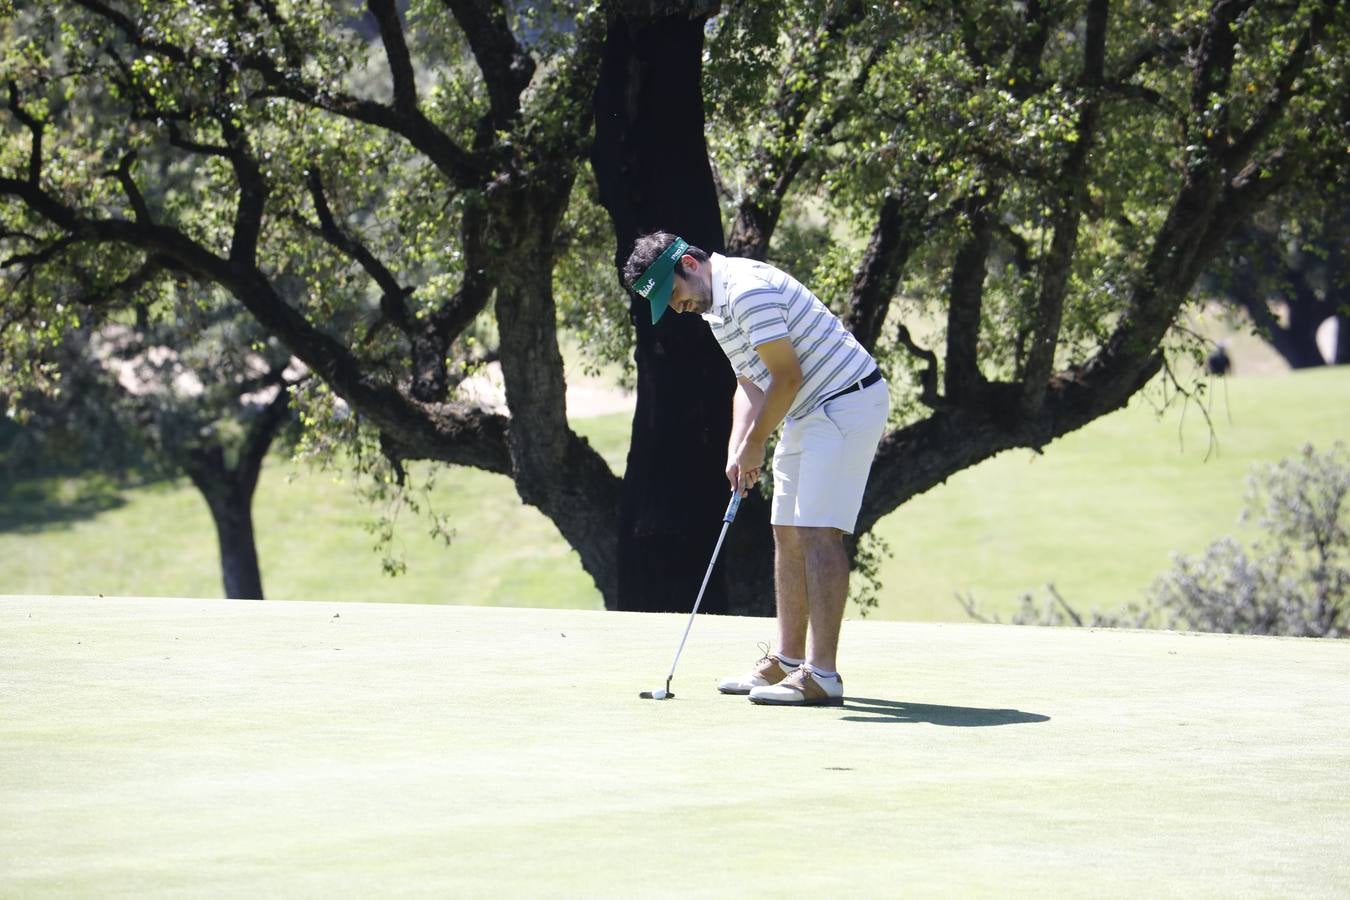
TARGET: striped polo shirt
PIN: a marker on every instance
(754, 303)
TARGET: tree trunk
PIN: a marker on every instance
(1295, 342)
(231, 505)
(554, 470)
(651, 164)
(228, 491)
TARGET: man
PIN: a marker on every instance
(796, 363)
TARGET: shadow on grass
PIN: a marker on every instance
(54, 501)
(953, 716)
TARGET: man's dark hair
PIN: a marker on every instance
(645, 251)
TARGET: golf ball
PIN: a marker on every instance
(658, 695)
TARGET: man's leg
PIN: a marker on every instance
(826, 564)
(789, 575)
(822, 577)
(790, 589)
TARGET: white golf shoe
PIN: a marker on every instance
(802, 688)
(768, 671)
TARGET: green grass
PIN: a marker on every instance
(61, 536)
(1101, 511)
(180, 748)
(1097, 515)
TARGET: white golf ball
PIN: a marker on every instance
(658, 695)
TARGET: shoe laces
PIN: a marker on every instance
(764, 654)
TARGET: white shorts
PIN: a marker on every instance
(821, 465)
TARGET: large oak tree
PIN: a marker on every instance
(1045, 180)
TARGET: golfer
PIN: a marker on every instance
(795, 363)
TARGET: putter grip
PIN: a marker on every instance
(734, 505)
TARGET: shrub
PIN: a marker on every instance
(1296, 578)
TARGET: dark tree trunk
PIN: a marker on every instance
(651, 163)
(231, 505)
(899, 230)
(228, 491)
(1263, 268)
(1296, 342)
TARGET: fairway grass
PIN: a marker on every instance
(1101, 512)
(197, 748)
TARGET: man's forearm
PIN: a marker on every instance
(774, 408)
(745, 405)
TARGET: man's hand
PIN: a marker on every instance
(744, 470)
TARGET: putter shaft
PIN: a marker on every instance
(727, 519)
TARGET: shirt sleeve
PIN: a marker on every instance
(762, 315)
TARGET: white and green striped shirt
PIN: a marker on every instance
(754, 303)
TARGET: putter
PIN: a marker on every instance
(727, 518)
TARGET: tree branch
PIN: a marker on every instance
(1172, 45)
(460, 168)
(133, 32)
(1026, 61)
(778, 160)
(36, 126)
(1054, 270)
(248, 214)
(898, 231)
(396, 52)
(262, 431)
(133, 192)
(30, 261)
(967, 297)
(928, 378)
(392, 306)
(506, 67)
(1212, 61)
(1274, 108)
(147, 272)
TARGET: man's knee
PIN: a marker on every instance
(787, 539)
(808, 540)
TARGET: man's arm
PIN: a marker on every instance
(745, 406)
(785, 379)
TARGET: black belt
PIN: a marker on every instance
(867, 382)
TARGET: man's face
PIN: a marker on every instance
(692, 292)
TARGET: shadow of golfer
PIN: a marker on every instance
(953, 716)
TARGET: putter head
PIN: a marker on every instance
(659, 694)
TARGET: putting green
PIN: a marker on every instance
(196, 748)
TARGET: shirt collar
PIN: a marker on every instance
(718, 312)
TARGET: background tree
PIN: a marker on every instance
(204, 398)
(1287, 270)
(210, 406)
(369, 280)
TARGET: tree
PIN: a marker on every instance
(1293, 255)
(368, 281)
(1047, 179)
(210, 407)
(1051, 176)
(649, 173)
(202, 398)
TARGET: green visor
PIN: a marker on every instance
(657, 282)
